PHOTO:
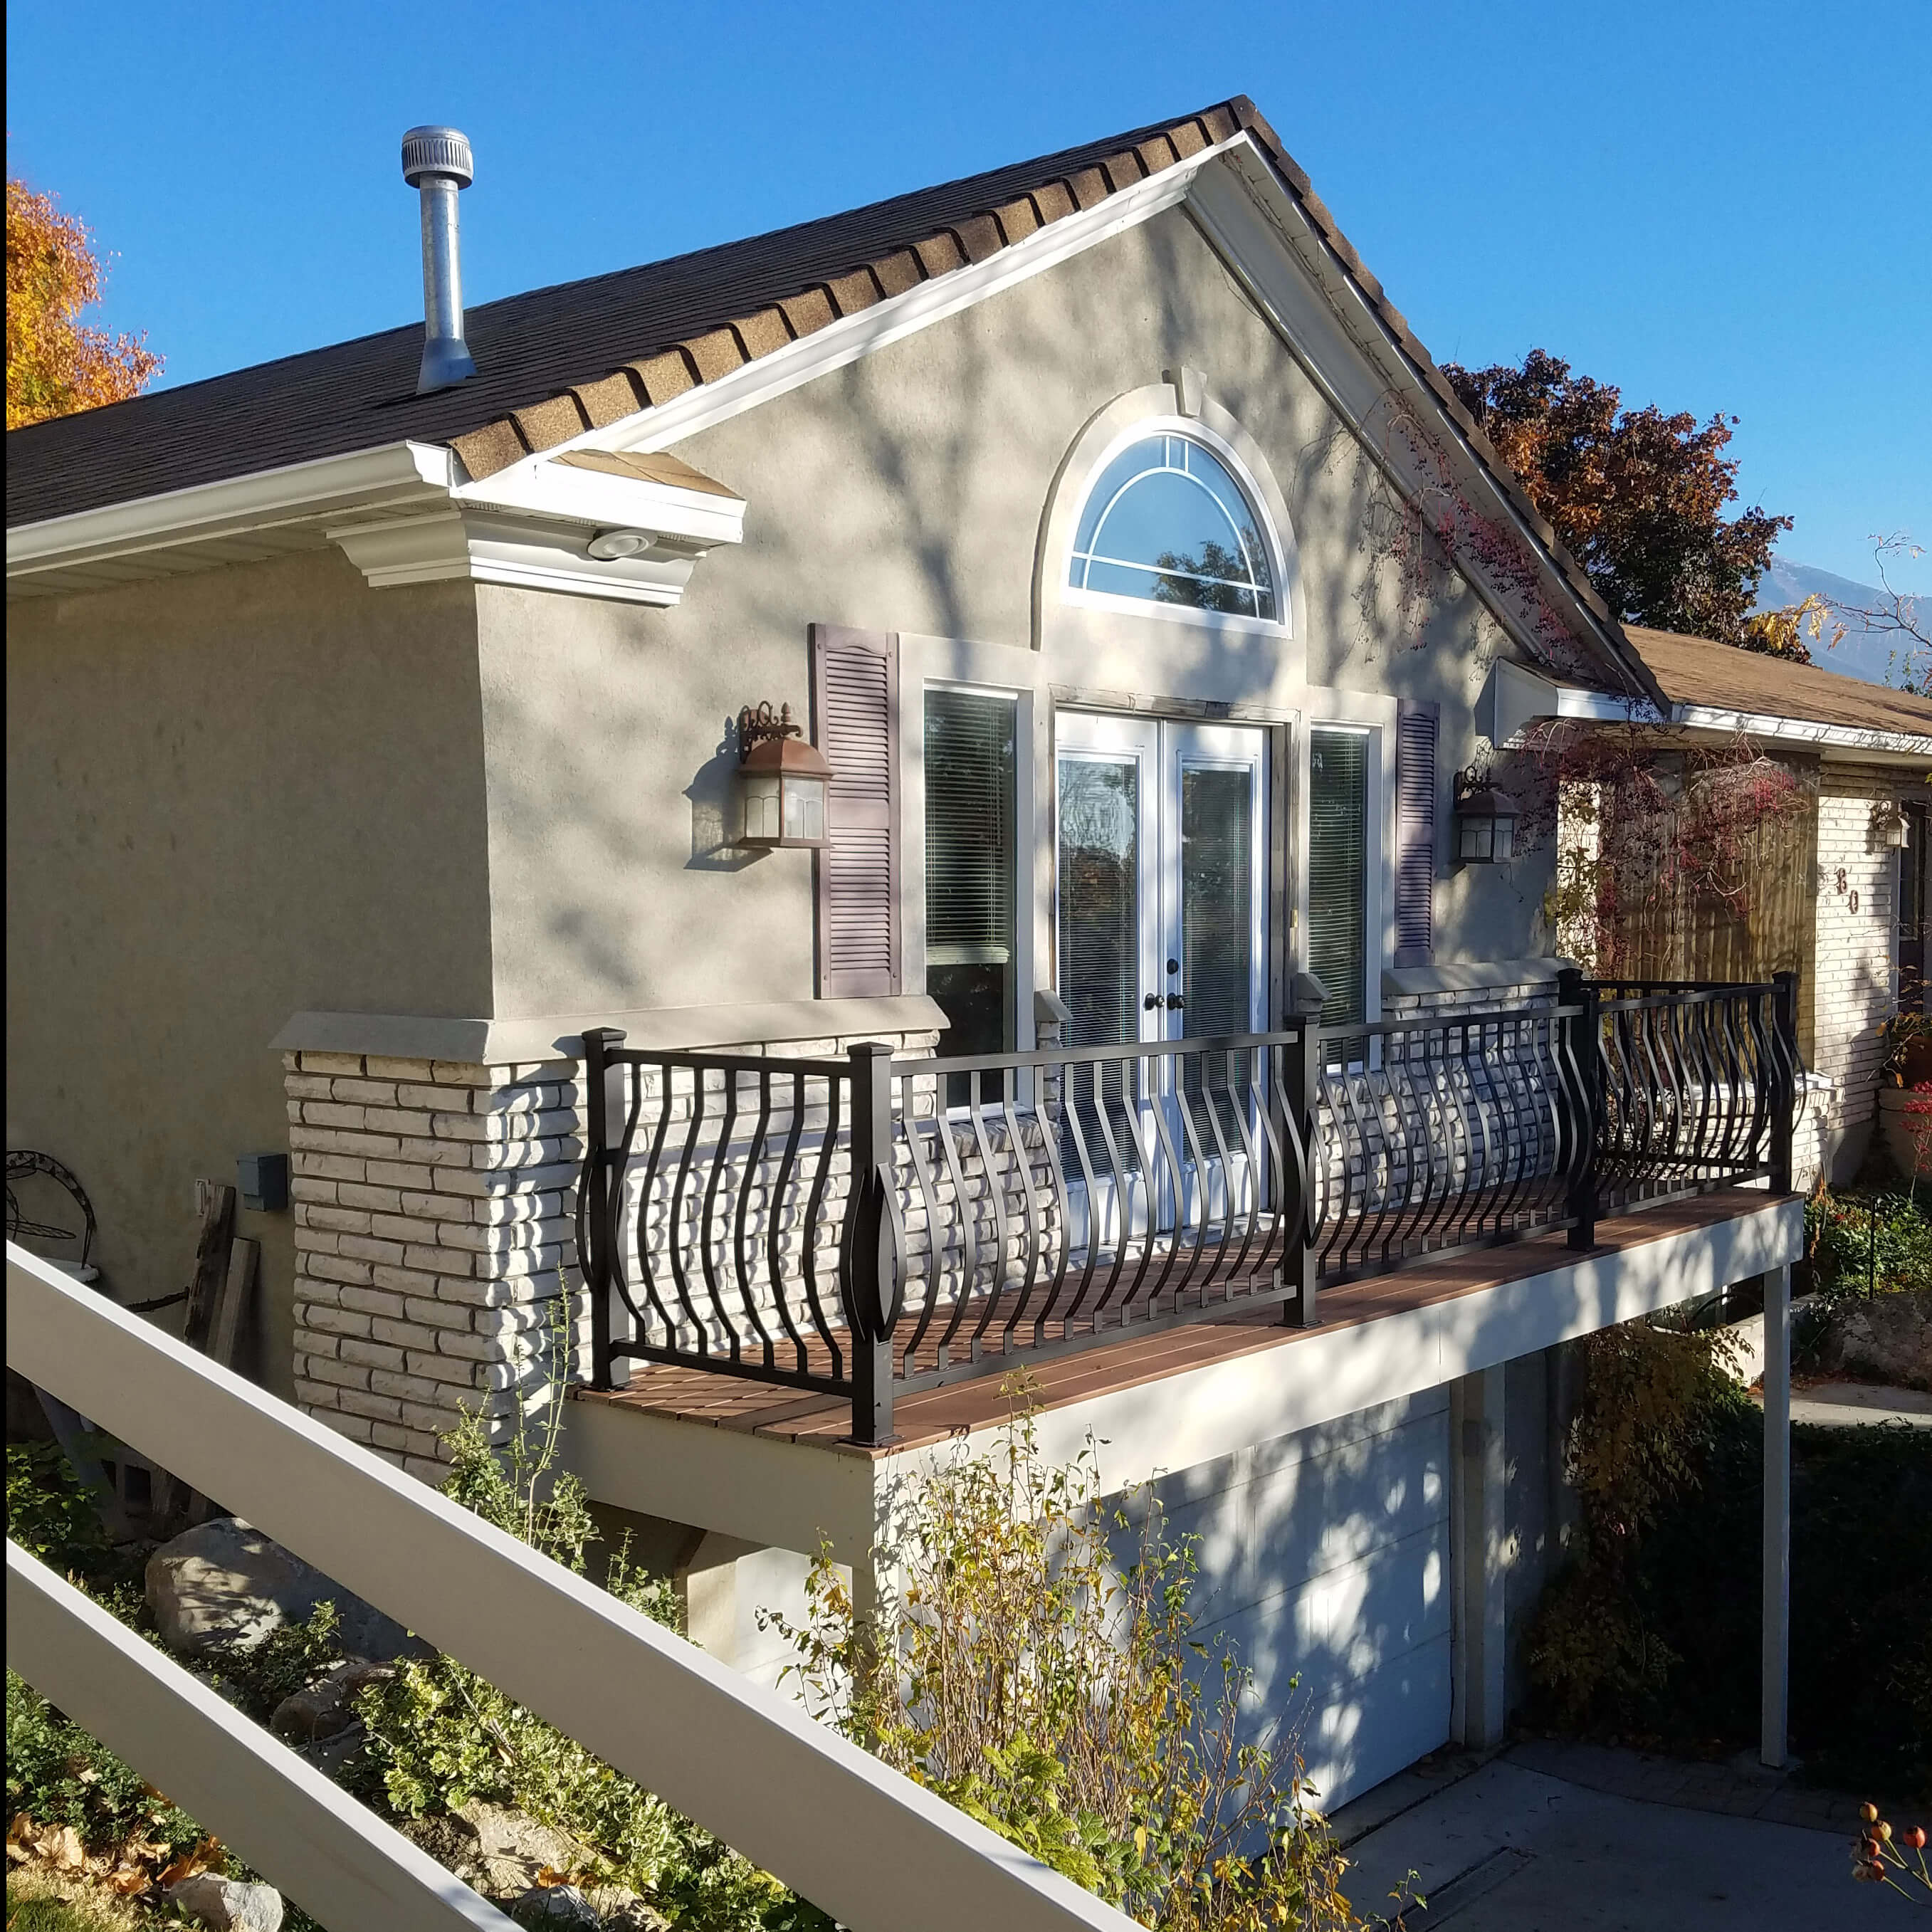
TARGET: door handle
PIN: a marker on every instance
(1175, 1002)
(1150, 1003)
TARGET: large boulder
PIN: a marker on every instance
(1886, 1340)
(228, 1904)
(223, 1585)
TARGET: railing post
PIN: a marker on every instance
(1784, 1095)
(1300, 1079)
(1584, 1050)
(870, 1262)
(596, 1219)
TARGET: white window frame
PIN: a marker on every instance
(1190, 429)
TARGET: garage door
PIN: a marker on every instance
(1325, 1554)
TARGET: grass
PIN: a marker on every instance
(39, 1902)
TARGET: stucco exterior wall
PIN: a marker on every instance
(229, 796)
(907, 492)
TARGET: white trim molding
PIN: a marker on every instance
(403, 513)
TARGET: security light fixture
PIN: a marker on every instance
(1889, 831)
(608, 545)
(781, 780)
(1485, 821)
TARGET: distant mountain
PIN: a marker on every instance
(1873, 655)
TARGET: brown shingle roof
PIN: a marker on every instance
(1696, 670)
(557, 361)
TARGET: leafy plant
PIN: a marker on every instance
(1649, 1398)
(51, 1513)
(1879, 1238)
(1039, 1669)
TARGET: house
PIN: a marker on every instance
(1838, 883)
(399, 780)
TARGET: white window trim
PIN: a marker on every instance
(1154, 411)
(1372, 717)
(914, 683)
(1189, 429)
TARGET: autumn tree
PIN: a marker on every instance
(56, 364)
(1638, 497)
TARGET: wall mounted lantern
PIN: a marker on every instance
(781, 780)
(1485, 821)
(1888, 828)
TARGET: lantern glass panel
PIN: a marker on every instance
(1475, 834)
(804, 808)
(1502, 846)
(762, 820)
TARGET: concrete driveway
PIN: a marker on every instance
(1512, 1847)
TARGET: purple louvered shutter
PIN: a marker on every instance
(1415, 729)
(855, 688)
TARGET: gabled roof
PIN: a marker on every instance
(1700, 673)
(562, 362)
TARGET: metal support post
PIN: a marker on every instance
(1300, 1081)
(597, 1219)
(869, 1281)
(1784, 1093)
(1774, 1714)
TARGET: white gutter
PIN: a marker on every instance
(1600, 707)
(297, 491)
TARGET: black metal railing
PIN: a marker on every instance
(866, 1226)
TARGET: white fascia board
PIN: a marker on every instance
(1600, 707)
(595, 498)
(1355, 359)
(854, 336)
(393, 474)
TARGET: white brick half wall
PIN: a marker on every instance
(433, 1206)
(1855, 986)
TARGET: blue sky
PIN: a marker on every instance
(1712, 205)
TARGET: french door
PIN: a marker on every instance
(1161, 920)
(1162, 878)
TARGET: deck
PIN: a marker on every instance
(700, 1397)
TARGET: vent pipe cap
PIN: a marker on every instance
(437, 151)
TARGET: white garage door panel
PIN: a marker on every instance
(1326, 1555)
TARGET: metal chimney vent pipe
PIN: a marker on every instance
(436, 162)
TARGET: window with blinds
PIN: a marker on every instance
(969, 868)
(1338, 870)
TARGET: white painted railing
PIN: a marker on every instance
(864, 1844)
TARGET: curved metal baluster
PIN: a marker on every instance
(1378, 1199)
(775, 1225)
(1131, 1105)
(1354, 1244)
(1062, 1249)
(679, 1279)
(1441, 1084)
(721, 1161)
(1023, 1178)
(968, 1212)
(1124, 1198)
(1159, 1113)
(996, 1193)
(1516, 1163)
(1331, 1171)
(746, 1271)
(928, 1196)
(1736, 1075)
(1251, 1172)
(653, 1181)
(1203, 1189)
(1476, 1179)
(1072, 1117)
(613, 1203)
(815, 1208)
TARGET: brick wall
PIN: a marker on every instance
(1854, 985)
(433, 1240)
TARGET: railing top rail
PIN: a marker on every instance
(1122, 1049)
(697, 1061)
(1621, 986)
(1702, 996)
(1441, 1019)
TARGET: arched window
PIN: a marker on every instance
(1166, 521)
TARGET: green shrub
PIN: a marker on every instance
(52, 1514)
(1039, 1670)
(58, 1774)
(1879, 1237)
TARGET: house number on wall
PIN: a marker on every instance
(1855, 901)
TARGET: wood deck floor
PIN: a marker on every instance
(696, 1396)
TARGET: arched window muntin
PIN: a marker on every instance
(1173, 465)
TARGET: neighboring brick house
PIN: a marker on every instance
(1838, 891)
